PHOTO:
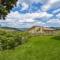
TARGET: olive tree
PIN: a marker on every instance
(5, 7)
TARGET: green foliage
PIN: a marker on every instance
(5, 7)
(11, 39)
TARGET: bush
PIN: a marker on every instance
(9, 39)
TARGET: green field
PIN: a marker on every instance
(37, 48)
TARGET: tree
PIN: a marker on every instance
(5, 7)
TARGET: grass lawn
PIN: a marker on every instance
(37, 48)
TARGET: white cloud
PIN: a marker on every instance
(58, 15)
(13, 15)
(24, 6)
(28, 17)
(54, 21)
(57, 10)
(31, 1)
(15, 19)
(49, 4)
(18, 3)
(40, 23)
(26, 20)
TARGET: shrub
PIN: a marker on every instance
(9, 39)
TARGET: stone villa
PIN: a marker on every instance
(41, 30)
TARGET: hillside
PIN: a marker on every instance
(10, 28)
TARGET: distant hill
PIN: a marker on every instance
(10, 28)
(57, 28)
(14, 29)
(24, 29)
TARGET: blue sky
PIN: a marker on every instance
(28, 13)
